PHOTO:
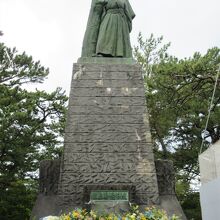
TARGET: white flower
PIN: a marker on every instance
(50, 218)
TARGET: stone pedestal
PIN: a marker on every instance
(107, 141)
(107, 136)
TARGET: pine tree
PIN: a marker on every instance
(31, 129)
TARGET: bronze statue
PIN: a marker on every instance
(108, 28)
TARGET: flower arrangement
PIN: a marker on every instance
(151, 213)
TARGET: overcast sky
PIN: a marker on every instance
(52, 30)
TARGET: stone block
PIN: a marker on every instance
(109, 167)
(100, 74)
(107, 137)
(105, 119)
(49, 176)
(109, 92)
(107, 109)
(109, 148)
(146, 199)
(108, 101)
(108, 128)
(107, 178)
(165, 177)
(71, 189)
(69, 202)
(134, 69)
(105, 158)
(107, 83)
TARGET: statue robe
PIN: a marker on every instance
(108, 29)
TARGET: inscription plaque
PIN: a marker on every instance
(109, 195)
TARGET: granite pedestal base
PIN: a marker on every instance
(107, 140)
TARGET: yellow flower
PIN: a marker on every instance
(142, 217)
(75, 214)
(93, 214)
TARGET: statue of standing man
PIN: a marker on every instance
(108, 29)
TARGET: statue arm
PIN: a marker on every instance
(130, 14)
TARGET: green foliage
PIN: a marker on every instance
(17, 200)
(150, 52)
(31, 128)
(189, 199)
(191, 205)
(17, 69)
(178, 93)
